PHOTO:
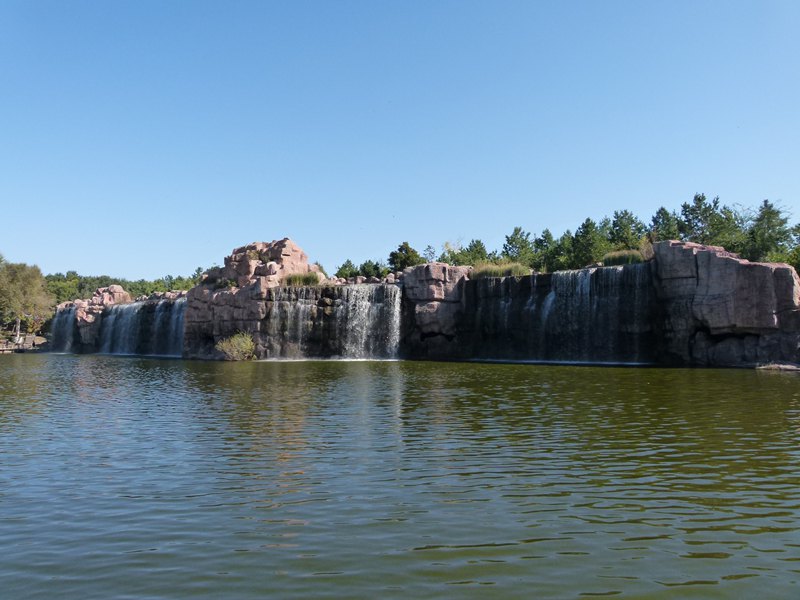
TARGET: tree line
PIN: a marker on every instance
(27, 298)
(762, 233)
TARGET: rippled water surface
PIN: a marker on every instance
(134, 478)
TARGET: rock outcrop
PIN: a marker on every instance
(722, 310)
(88, 313)
(433, 308)
(267, 264)
(353, 321)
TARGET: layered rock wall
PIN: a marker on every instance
(720, 310)
(353, 321)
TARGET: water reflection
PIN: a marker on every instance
(367, 479)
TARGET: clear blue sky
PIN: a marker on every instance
(145, 138)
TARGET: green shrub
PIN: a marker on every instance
(301, 279)
(511, 269)
(622, 257)
(240, 346)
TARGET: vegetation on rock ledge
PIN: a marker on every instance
(239, 346)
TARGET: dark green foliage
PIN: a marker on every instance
(769, 236)
(475, 252)
(589, 244)
(626, 230)
(73, 286)
(518, 247)
(301, 280)
(404, 256)
(622, 257)
(708, 222)
(347, 270)
(484, 270)
(373, 268)
(664, 225)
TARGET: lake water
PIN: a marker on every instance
(142, 478)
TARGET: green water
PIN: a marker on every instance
(135, 478)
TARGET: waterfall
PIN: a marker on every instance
(587, 315)
(167, 330)
(371, 321)
(63, 330)
(353, 321)
(119, 331)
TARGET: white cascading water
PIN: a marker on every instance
(363, 322)
(63, 330)
(119, 332)
(167, 333)
(371, 321)
(130, 329)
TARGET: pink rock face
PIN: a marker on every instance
(215, 309)
(274, 260)
(434, 282)
(707, 289)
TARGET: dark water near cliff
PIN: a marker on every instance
(144, 478)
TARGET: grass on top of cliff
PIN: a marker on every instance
(239, 346)
(301, 279)
(622, 257)
(512, 269)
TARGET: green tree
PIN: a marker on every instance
(373, 268)
(404, 256)
(544, 250)
(769, 236)
(664, 225)
(589, 244)
(626, 231)
(518, 247)
(23, 297)
(429, 254)
(347, 270)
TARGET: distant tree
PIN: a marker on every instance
(626, 231)
(373, 268)
(561, 255)
(518, 247)
(347, 270)
(544, 249)
(589, 244)
(429, 254)
(664, 225)
(769, 236)
(404, 256)
(707, 222)
(23, 297)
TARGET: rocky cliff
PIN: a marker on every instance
(85, 317)
(721, 310)
(690, 305)
(247, 295)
